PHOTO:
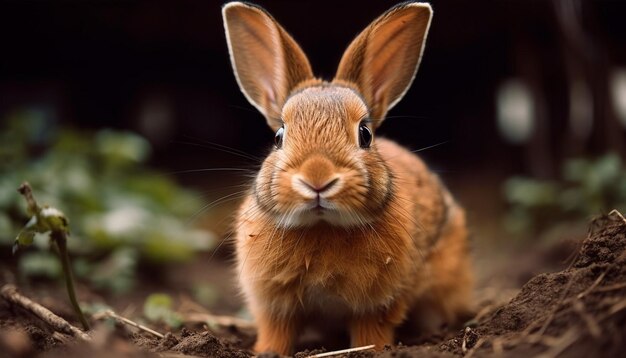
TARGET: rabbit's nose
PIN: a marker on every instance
(319, 188)
(315, 190)
(317, 177)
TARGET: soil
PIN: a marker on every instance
(577, 311)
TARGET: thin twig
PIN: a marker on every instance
(215, 320)
(617, 286)
(469, 339)
(565, 341)
(464, 344)
(175, 355)
(343, 351)
(593, 285)
(497, 346)
(63, 338)
(10, 294)
(193, 312)
(478, 344)
(616, 212)
(616, 308)
(592, 324)
(124, 320)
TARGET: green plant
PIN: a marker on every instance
(158, 307)
(586, 188)
(52, 222)
(123, 213)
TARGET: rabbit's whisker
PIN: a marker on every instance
(210, 170)
(225, 198)
(430, 146)
(223, 148)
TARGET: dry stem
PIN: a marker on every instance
(592, 325)
(10, 294)
(124, 320)
(343, 351)
(593, 285)
(616, 212)
(194, 312)
(223, 321)
(478, 344)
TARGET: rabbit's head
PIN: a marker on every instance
(325, 165)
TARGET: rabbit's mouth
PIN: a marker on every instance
(323, 211)
(315, 215)
(319, 210)
(319, 206)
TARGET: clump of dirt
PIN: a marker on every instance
(21, 334)
(203, 344)
(579, 311)
(576, 312)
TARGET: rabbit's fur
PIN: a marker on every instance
(366, 233)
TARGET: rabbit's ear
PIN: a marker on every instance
(383, 59)
(267, 62)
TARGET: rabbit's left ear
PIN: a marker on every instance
(383, 59)
(267, 62)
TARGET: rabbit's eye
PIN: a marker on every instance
(365, 136)
(278, 138)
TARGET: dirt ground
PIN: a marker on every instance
(578, 310)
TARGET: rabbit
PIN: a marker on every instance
(337, 221)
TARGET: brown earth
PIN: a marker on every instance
(579, 311)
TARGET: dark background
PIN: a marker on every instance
(161, 68)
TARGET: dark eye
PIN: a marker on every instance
(278, 138)
(365, 136)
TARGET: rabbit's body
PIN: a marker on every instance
(336, 223)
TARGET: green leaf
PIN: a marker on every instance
(158, 308)
(531, 193)
(25, 237)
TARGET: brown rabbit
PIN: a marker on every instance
(336, 222)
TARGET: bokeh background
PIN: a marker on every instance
(114, 109)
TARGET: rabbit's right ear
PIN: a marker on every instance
(267, 62)
(383, 59)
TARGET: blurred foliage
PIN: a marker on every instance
(587, 188)
(40, 264)
(206, 295)
(121, 211)
(158, 308)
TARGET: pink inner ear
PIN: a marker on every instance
(270, 94)
(269, 97)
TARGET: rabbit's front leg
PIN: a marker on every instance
(378, 327)
(275, 333)
(371, 329)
